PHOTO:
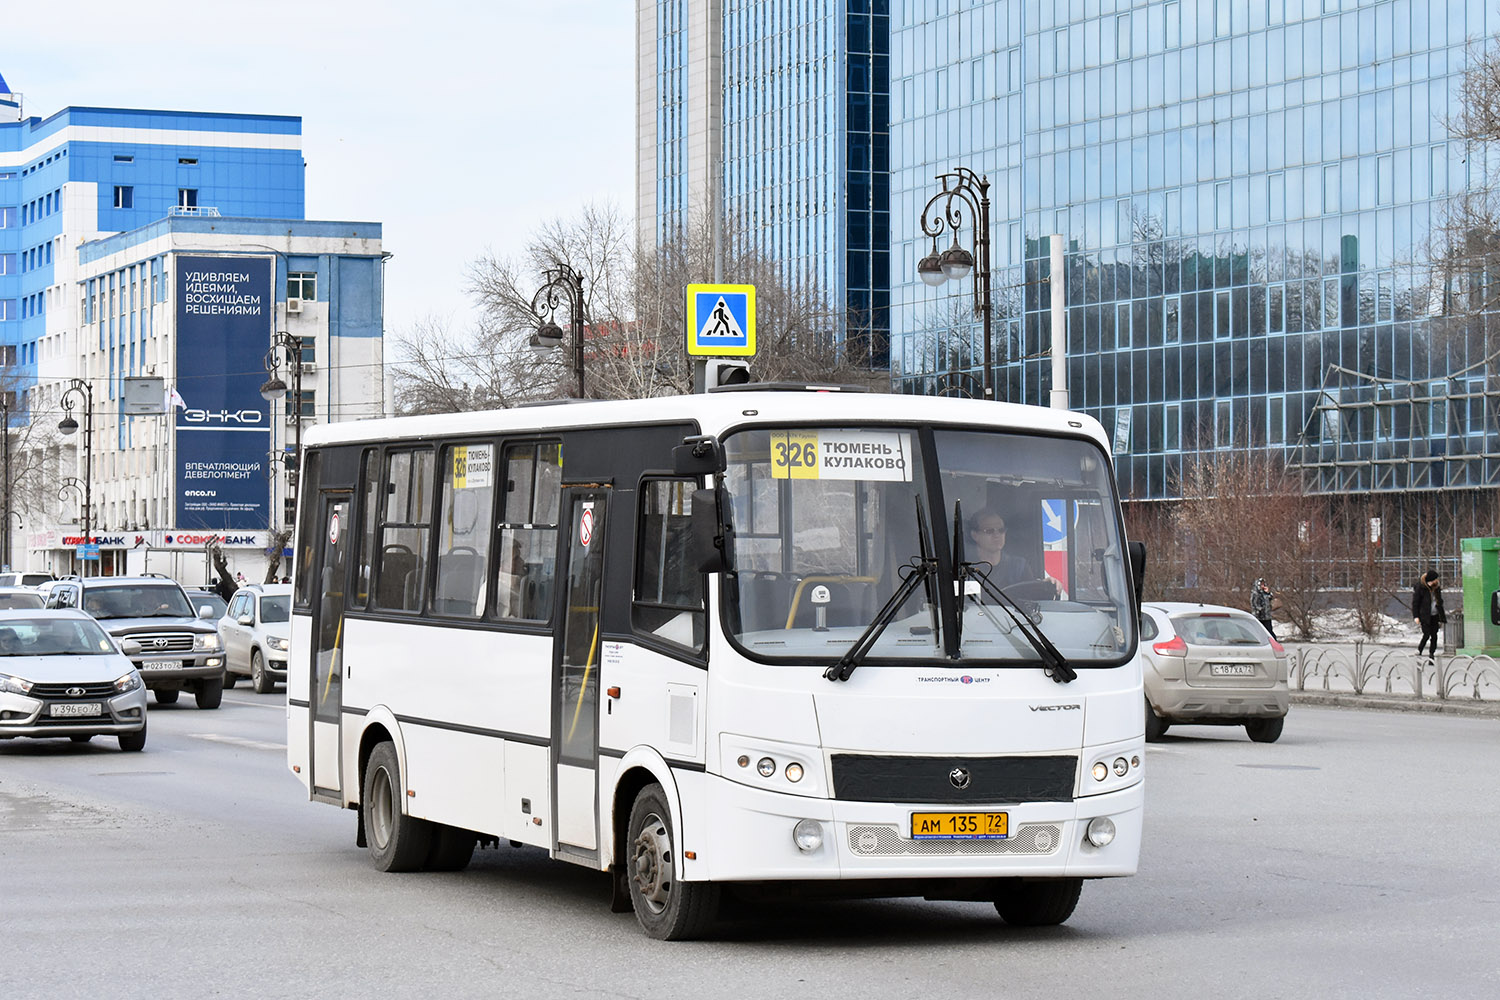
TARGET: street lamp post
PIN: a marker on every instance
(962, 188)
(5, 421)
(78, 390)
(285, 347)
(558, 281)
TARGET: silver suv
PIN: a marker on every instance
(179, 648)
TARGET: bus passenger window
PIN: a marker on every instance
(404, 529)
(528, 531)
(464, 530)
(668, 590)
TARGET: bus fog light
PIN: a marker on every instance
(766, 766)
(1101, 771)
(808, 835)
(1101, 831)
(1121, 766)
(794, 772)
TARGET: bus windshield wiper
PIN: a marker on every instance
(1054, 664)
(920, 570)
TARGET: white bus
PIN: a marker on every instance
(761, 641)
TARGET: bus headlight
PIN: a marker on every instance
(766, 766)
(808, 835)
(794, 772)
(1101, 771)
(1101, 830)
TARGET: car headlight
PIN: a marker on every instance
(276, 642)
(127, 682)
(14, 685)
(206, 641)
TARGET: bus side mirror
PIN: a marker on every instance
(1137, 552)
(708, 538)
(698, 456)
(1495, 608)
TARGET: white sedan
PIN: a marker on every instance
(61, 675)
(1208, 665)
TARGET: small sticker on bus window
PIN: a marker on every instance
(472, 466)
(883, 456)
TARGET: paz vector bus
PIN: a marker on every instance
(760, 640)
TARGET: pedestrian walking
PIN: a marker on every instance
(1427, 609)
(1260, 604)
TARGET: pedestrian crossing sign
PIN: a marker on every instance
(721, 321)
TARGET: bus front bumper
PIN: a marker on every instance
(750, 838)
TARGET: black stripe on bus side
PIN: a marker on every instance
(536, 741)
(678, 765)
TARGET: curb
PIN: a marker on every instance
(1467, 707)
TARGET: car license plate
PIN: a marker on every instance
(960, 826)
(160, 664)
(1232, 669)
(75, 709)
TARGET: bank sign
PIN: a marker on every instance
(225, 308)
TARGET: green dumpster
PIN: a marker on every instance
(1481, 569)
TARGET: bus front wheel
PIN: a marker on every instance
(1043, 903)
(398, 842)
(668, 909)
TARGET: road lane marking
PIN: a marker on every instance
(238, 741)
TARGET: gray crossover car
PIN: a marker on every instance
(179, 646)
(62, 676)
(1208, 665)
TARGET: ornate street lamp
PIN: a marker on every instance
(560, 281)
(962, 189)
(78, 390)
(287, 349)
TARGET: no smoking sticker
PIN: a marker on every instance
(586, 527)
(333, 529)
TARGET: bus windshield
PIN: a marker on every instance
(827, 523)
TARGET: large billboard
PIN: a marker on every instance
(225, 310)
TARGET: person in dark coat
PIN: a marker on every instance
(1427, 609)
(1260, 605)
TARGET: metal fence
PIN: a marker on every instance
(1372, 669)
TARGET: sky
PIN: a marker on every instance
(459, 125)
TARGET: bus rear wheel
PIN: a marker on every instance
(1044, 903)
(668, 909)
(398, 842)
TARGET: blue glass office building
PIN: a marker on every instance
(793, 95)
(1244, 190)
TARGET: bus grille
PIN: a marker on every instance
(870, 840)
(988, 780)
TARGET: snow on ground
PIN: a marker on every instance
(1342, 625)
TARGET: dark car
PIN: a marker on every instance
(179, 643)
(203, 597)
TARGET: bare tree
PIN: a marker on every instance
(634, 308)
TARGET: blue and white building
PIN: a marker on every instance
(787, 102)
(173, 245)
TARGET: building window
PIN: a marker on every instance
(187, 197)
(124, 196)
(302, 285)
(189, 161)
(124, 158)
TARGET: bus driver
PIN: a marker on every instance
(987, 534)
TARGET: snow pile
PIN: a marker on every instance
(1342, 625)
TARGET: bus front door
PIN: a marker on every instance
(327, 691)
(575, 677)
